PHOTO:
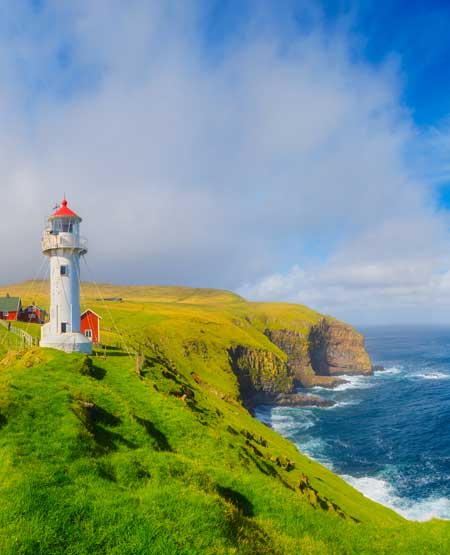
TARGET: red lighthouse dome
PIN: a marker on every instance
(64, 212)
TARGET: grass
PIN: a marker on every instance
(8, 341)
(96, 457)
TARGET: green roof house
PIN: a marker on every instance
(10, 307)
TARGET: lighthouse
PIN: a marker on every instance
(64, 246)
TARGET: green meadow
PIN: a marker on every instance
(145, 447)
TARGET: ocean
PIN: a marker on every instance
(389, 434)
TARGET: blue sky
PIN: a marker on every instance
(416, 32)
(413, 32)
(410, 33)
(291, 150)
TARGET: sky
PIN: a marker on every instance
(288, 150)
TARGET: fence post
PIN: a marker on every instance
(22, 337)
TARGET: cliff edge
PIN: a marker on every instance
(337, 348)
(315, 354)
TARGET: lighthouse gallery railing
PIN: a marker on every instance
(64, 241)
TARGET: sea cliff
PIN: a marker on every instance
(313, 357)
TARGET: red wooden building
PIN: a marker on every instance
(10, 307)
(90, 325)
(33, 314)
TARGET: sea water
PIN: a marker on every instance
(388, 435)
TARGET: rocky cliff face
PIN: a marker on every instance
(261, 374)
(298, 350)
(315, 358)
(336, 348)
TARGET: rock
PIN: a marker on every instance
(289, 466)
(298, 350)
(185, 393)
(303, 484)
(337, 348)
(327, 382)
(378, 368)
(196, 378)
(195, 347)
(298, 400)
(296, 347)
(287, 400)
(314, 358)
(261, 374)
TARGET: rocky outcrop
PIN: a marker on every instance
(378, 368)
(298, 400)
(261, 374)
(337, 348)
(297, 348)
(315, 358)
(286, 400)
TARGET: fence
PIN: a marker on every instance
(27, 338)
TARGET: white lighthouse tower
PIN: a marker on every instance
(62, 243)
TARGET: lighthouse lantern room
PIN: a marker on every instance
(64, 246)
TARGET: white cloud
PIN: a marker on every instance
(395, 274)
(214, 170)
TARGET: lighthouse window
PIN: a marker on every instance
(64, 225)
(63, 327)
(64, 270)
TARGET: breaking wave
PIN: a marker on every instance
(393, 370)
(352, 382)
(383, 492)
(286, 420)
(432, 376)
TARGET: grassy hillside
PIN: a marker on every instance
(155, 454)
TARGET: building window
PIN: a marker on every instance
(5, 314)
(88, 333)
(64, 225)
(64, 270)
(63, 327)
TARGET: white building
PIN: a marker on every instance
(62, 243)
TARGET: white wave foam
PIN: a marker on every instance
(432, 376)
(286, 420)
(285, 423)
(391, 371)
(382, 492)
(339, 404)
(314, 448)
(354, 382)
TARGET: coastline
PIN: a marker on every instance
(414, 493)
